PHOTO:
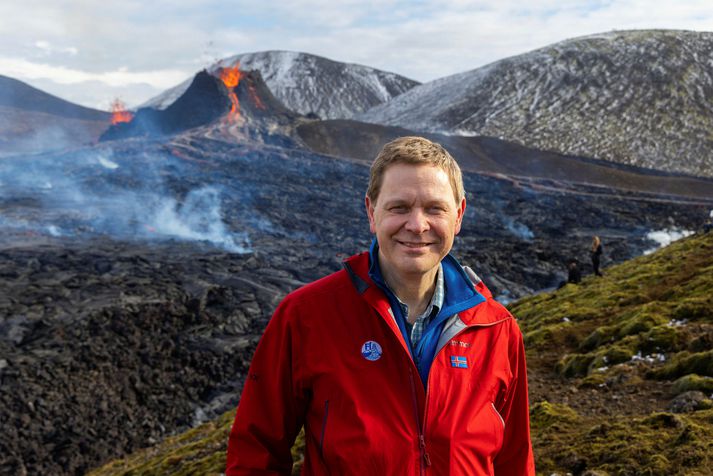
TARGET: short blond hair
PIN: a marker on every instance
(415, 151)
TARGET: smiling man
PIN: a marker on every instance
(401, 363)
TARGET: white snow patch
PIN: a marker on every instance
(652, 358)
(677, 323)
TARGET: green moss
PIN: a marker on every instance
(574, 365)
(545, 415)
(659, 444)
(597, 337)
(642, 319)
(661, 339)
(198, 451)
(694, 309)
(611, 356)
(593, 380)
(685, 363)
(693, 382)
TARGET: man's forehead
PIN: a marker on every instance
(408, 181)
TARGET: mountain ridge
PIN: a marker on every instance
(641, 97)
(307, 83)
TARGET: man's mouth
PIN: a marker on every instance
(413, 244)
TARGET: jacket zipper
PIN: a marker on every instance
(425, 457)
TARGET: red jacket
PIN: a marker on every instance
(333, 359)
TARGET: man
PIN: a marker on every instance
(401, 363)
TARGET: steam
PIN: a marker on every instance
(198, 218)
(518, 229)
(665, 237)
(97, 193)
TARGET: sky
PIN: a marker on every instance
(91, 52)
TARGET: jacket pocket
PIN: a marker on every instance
(500, 417)
(324, 428)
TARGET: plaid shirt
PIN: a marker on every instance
(416, 329)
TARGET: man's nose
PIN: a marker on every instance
(417, 221)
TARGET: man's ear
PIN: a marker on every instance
(370, 213)
(459, 218)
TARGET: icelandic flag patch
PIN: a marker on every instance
(459, 362)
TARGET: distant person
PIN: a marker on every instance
(574, 276)
(708, 225)
(400, 363)
(596, 253)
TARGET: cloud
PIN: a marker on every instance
(50, 49)
(129, 42)
(119, 77)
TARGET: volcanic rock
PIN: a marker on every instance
(204, 101)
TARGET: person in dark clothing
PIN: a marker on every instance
(596, 253)
(573, 276)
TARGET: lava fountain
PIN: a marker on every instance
(231, 77)
(119, 112)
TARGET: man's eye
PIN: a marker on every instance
(398, 209)
(437, 209)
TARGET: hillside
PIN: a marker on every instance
(621, 374)
(307, 83)
(636, 97)
(33, 121)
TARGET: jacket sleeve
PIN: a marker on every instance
(272, 406)
(515, 457)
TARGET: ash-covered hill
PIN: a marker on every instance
(307, 83)
(620, 370)
(33, 121)
(636, 97)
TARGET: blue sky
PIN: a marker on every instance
(93, 51)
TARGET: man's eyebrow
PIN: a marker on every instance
(396, 201)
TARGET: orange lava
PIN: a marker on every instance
(256, 99)
(231, 78)
(119, 112)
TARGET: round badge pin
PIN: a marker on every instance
(371, 350)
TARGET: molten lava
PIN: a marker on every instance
(231, 77)
(119, 112)
(256, 99)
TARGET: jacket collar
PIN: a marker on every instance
(462, 296)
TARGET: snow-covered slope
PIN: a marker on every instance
(638, 97)
(310, 84)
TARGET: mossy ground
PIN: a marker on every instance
(604, 358)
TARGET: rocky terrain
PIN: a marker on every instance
(634, 97)
(620, 371)
(107, 347)
(309, 84)
(33, 121)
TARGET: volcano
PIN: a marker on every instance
(207, 100)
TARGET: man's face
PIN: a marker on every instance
(415, 218)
